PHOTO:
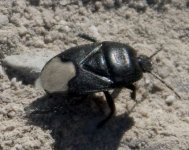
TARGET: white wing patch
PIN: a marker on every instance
(56, 75)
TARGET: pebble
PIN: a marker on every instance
(17, 147)
(16, 84)
(153, 88)
(54, 35)
(164, 72)
(22, 31)
(2, 73)
(48, 19)
(39, 21)
(37, 42)
(108, 3)
(2, 111)
(11, 114)
(94, 31)
(3, 20)
(15, 19)
(48, 39)
(13, 82)
(128, 14)
(186, 119)
(9, 128)
(170, 99)
(140, 6)
(67, 28)
(98, 6)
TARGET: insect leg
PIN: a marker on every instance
(112, 108)
(87, 37)
(133, 89)
(115, 93)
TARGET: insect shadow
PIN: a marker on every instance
(73, 123)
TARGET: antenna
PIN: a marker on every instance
(157, 77)
(87, 37)
(155, 53)
(167, 85)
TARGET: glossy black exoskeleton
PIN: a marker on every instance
(96, 67)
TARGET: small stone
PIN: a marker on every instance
(94, 31)
(2, 111)
(139, 6)
(15, 19)
(9, 128)
(54, 35)
(17, 147)
(37, 42)
(2, 73)
(144, 114)
(13, 82)
(186, 119)
(48, 39)
(170, 99)
(128, 15)
(39, 21)
(98, 5)
(108, 3)
(166, 7)
(3, 20)
(11, 114)
(7, 100)
(22, 31)
(142, 6)
(152, 88)
(16, 84)
(82, 11)
(48, 19)
(67, 28)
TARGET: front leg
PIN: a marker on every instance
(133, 89)
(115, 93)
(111, 104)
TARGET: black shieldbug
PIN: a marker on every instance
(96, 67)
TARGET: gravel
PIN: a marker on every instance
(31, 29)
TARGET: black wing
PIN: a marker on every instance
(88, 82)
(92, 71)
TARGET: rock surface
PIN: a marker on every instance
(158, 122)
(3, 20)
(26, 67)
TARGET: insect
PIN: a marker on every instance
(96, 67)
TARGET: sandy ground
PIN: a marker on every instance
(159, 122)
